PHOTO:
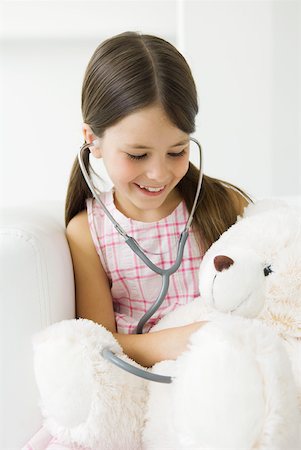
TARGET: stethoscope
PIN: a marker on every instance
(165, 273)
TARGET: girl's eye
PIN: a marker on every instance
(136, 157)
(139, 157)
(176, 155)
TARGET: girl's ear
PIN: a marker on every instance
(93, 140)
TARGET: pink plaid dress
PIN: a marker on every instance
(134, 286)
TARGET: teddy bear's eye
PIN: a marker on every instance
(267, 270)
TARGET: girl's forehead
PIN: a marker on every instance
(147, 123)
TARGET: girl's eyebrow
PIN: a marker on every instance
(150, 148)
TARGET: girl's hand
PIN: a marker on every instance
(176, 340)
(149, 348)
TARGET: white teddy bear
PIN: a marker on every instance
(238, 386)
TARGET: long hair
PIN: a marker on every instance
(131, 71)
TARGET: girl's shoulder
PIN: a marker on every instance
(78, 227)
(80, 239)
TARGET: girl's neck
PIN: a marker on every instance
(171, 203)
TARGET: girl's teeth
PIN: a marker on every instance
(152, 189)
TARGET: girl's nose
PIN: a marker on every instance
(157, 170)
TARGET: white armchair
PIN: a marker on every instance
(37, 289)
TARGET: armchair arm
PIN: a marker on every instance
(37, 289)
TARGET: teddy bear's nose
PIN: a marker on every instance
(222, 262)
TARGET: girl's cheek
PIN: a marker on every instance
(124, 171)
(183, 169)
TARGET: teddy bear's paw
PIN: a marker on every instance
(85, 399)
(64, 370)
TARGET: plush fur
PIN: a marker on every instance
(233, 389)
(238, 384)
(84, 398)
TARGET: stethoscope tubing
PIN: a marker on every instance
(165, 273)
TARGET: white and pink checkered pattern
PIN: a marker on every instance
(135, 286)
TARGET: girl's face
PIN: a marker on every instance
(146, 156)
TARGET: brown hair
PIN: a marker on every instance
(131, 71)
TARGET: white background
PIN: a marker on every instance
(245, 57)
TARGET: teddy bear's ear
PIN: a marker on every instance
(261, 206)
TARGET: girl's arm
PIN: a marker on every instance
(149, 348)
(94, 302)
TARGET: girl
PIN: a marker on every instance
(139, 104)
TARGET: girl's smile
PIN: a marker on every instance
(153, 191)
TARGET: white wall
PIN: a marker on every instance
(245, 59)
(245, 56)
